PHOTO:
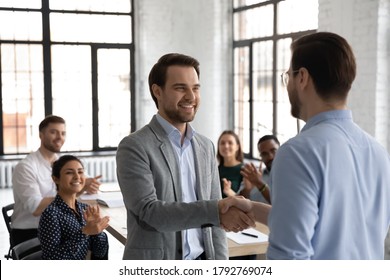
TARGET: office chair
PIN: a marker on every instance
(34, 256)
(7, 212)
(27, 250)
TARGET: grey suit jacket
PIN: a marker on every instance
(149, 178)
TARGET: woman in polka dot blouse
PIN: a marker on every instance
(68, 229)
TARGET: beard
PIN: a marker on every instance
(180, 117)
(295, 103)
(52, 148)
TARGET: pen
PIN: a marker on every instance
(249, 234)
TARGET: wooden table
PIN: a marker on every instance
(236, 249)
(117, 226)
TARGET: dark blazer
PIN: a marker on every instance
(149, 178)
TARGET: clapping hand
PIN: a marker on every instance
(227, 187)
(252, 174)
(95, 224)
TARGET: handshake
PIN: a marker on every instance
(237, 213)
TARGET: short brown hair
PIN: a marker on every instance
(48, 120)
(158, 73)
(330, 61)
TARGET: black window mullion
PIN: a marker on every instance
(251, 126)
(47, 80)
(95, 103)
(274, 73)
(133, 125)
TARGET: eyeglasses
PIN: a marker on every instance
(286, 75)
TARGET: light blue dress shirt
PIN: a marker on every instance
(192, 238)
(330, 193)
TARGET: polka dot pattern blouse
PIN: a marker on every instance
(60, 233)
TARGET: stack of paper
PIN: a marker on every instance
(247, 236)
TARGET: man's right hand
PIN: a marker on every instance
(235, 213)
(92, 184)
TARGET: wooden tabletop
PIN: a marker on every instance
(236, 249)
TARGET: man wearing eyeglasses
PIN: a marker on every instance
(330, 183)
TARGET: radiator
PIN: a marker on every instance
(105, 166)
(6, 168)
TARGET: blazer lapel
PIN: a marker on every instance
(199, 168)
(169, 156)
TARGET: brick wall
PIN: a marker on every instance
(365, 24)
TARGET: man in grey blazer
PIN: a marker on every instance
(169, 178)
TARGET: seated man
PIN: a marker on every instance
(33, 187)
(267, 146)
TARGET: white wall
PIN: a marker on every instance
(365, 24)
(203, 29)
(200, 28)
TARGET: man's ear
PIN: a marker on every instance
(303, 77)
(156, 89)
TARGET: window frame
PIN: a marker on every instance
(249, 43)
(47, 43)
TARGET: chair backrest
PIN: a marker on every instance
(7, 213)
(26, 248)
(34, 256)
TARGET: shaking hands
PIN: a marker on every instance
(236, 214)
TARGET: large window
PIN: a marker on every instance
(70, 58)
(263, 31)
